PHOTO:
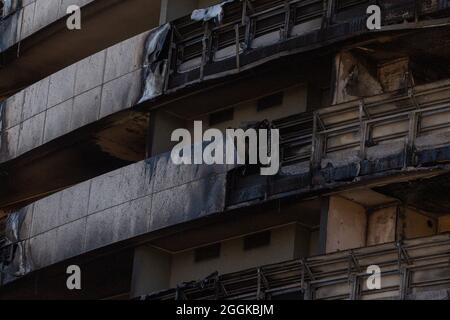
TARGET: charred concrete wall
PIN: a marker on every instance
(138, 199)
(83, 93)
(29, 16)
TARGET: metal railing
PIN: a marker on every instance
(383, 119)
(357, 126)
(196, 44)
(407, 268)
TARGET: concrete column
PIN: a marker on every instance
(346, 225)
(151, 271)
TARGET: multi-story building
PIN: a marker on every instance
(86, 176)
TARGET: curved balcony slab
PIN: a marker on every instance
(36, 42)
(141, 198)
(29, 16)
(85, 92)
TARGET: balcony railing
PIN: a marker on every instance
(407, 269)
(355, 127)
(197, 46)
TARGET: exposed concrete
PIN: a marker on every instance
(353, 79)
(346, 227)
(416, 224)
(382, 226)
(444, 224)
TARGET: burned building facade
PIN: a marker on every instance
(87, 177)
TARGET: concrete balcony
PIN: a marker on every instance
(35, 42)
(29, 16)
(136, 200)
(80, 94)
(406, 138)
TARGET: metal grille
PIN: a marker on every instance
(407, 268)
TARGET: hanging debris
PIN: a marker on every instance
(210, 13)
(155, 64)
(7, 7)
(15, 260)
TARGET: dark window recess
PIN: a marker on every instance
(221, 116)
(257, 240)
(270, 101)
(207, 253)
(2, 6)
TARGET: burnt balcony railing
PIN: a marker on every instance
(408, 270)
(355, 128)
(205, 49)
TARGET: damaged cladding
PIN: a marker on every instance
(15, 261)
(214, 13)
(325, 146)
(157, 48)
(156, 61)
(9, 19)
(7, 7)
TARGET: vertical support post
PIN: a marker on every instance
(236, 31)
(362, 132)
(248, 25)
(244, 12)
(400, 215)
(410, 144)
(313, 141)
(169, 70)
(308, 292)
(329, 6)
(416, 11)
(287, 21)
(204, 49)
(404, 283)
(258, 287)
(354, 287)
